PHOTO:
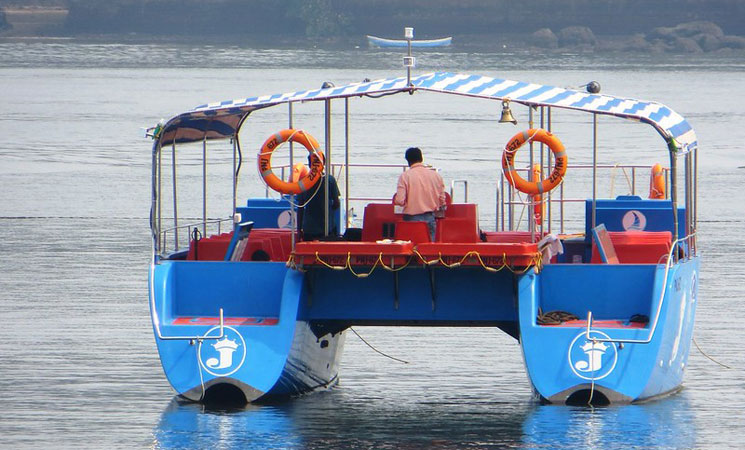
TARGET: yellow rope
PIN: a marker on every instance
(424, 261)
(536, 263)
(361, 275)
(318, 258)
(393, 269)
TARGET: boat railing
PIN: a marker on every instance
(671, 259)
(173, 239)
(508, 198)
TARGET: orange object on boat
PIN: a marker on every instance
(299, 171)
(560, 161)
(657, 182)
(537, 199)
(265, 161)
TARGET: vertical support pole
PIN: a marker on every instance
(594, 166)
(549, 168)
(346, 161)
(531, 221)
(541, 161)
(293, 218)
(497, 205)
(408, 67)
(689, 199)
(695, 201)
(204, 186)
(235, 174)
(674, 192)
(175, 197)
(160, 195)
(328, 168)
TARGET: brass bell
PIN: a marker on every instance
(507, 113)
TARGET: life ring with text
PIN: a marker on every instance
(560, 161)
(657, 182)
(309, 179)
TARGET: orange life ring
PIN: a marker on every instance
(560, 161)
(304, 183)
(657, 182)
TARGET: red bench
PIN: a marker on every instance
(637, 247)
(491, 254)
(356, 253)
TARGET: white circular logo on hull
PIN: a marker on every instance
(590, 359)
(224, 356)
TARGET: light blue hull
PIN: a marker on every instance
(374, 41)
(563, 366)
(266, 351)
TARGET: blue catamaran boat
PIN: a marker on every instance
(243, 307)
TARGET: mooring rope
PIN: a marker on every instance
(369, 345)
(712, 359)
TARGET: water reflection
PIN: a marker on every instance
(667, 423)
(332, 420)
(328, 420)
(190, 425)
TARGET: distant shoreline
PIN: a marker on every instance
(41, 23)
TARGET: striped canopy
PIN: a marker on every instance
(222, 119)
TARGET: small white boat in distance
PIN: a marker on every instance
(374, 41)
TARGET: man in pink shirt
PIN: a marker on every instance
(420, 191)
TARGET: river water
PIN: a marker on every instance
(79, 365)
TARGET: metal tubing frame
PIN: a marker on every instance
(327, 114)
(204, 186)
(346, 162)
(156, 320)
(158, 195)
(293, 219)
(594, 165)
(668, 265)
(175, 194)
(674, 195)
(531, 220)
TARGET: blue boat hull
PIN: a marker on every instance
(265, 351)
(564, 366)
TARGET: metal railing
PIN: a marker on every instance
(668, 264)
(208, 226)
(507, 197)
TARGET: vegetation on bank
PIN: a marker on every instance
(661, 25)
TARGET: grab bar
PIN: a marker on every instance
(156, 324)
(668, 264)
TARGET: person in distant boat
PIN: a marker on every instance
(310, 216)
(420, 191)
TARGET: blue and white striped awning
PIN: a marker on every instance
(222, 119)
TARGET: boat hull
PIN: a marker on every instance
(264, 352)
(565, 367)
(374, 41)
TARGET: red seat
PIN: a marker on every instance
(637, 247)
(378, 222)
(211, 248)
(416, 232)
(457, 230)
(461, 224)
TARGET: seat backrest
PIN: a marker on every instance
(604, 245)
(239, 241)
(457, 230)
(416, 232)
(378, 222)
